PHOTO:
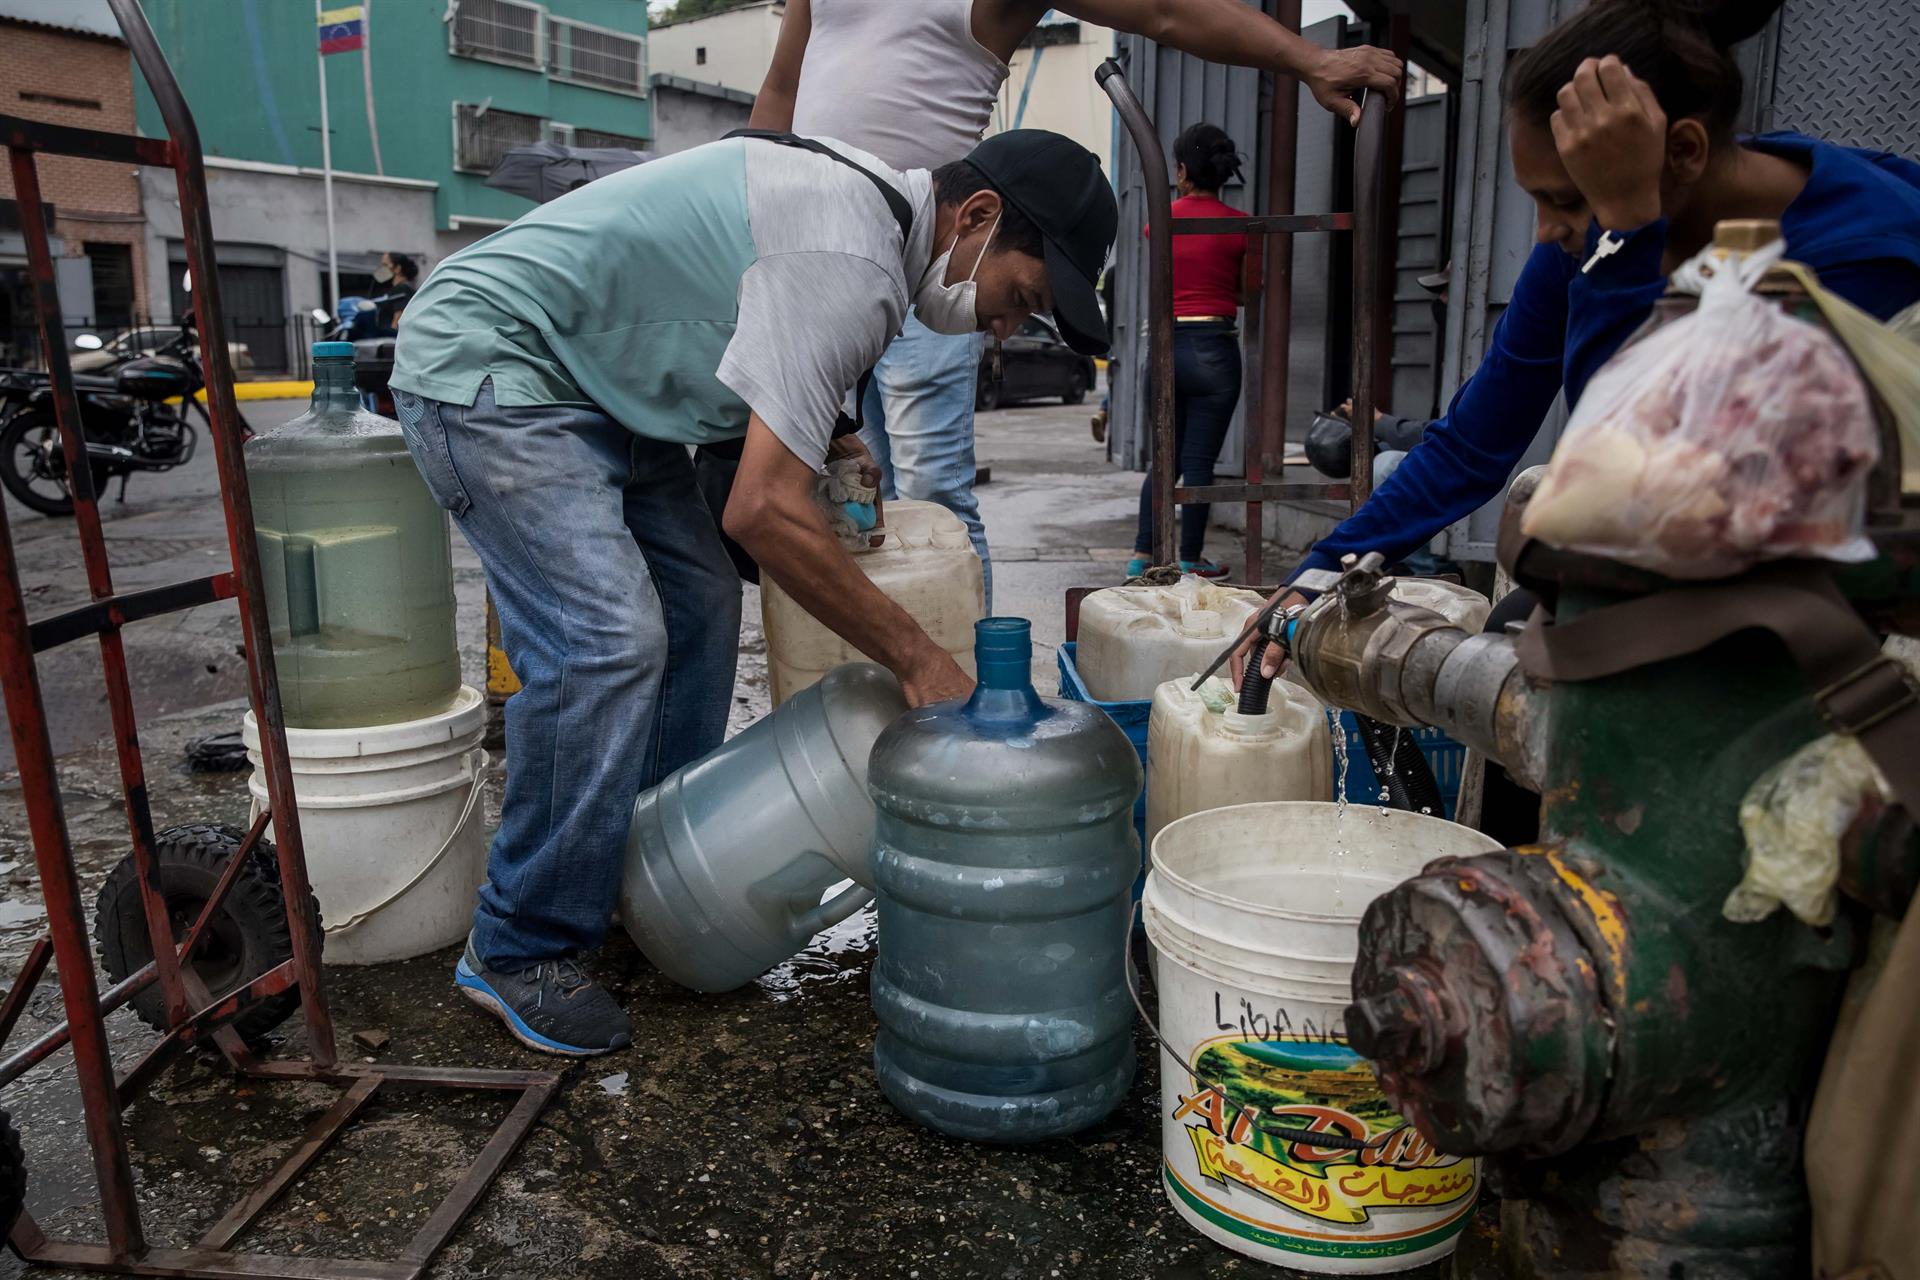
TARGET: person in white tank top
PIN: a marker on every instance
(914, 83)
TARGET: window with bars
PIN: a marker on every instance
(482, 135)
(601, 138)
(589, 55)
(508, 31)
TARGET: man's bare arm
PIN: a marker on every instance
(772, 514)
(1217, 30)
(773, 109)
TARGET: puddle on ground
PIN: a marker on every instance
(840, 954)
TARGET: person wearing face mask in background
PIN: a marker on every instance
(398, 276)
(549, 380)
(916, 83)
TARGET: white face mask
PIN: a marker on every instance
(949, 308)
(383, 275)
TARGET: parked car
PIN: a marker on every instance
(1034, 362)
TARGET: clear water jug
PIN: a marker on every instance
(730, 861)
(1134, 639)
(925, 564)
(1004, 855)
(356, 562)
(1203, 753)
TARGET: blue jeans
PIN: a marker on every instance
(620, 613)
(919, 425)
(1206, 387)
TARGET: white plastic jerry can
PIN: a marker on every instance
(1203, 754)
(1133, 639)
(925, 563)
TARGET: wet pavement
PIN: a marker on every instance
(743, 1136)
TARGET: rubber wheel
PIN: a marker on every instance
(986, 396)
(13, 1175)
(248, 937)
(43, 490)
(1076, 389)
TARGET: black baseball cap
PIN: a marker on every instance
(1058, 185)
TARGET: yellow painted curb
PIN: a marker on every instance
(267, 391)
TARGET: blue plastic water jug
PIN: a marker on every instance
(1004, 853)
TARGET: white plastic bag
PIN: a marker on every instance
(1730, 435)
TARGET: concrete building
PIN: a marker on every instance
(62, 61)
(687, 113)
(732, 49)
(1050, 85)
(441, 92)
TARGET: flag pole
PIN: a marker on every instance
(366, 79)
(326, 167)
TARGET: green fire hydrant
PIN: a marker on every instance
(1583, 1003)
(1581, 1007)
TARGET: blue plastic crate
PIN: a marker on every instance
(1131, 715)
(1445, 757)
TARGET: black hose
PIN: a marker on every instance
(1254, 687)
(1401, 768)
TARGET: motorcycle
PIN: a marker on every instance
(134, 417)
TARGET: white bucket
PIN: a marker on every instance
(1253, 913)
(394, 828)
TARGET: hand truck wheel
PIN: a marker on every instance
(247, 937)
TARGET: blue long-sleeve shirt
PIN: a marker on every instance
(1856, 223)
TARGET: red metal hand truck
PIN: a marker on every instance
(1269, 271)
(192, 1017)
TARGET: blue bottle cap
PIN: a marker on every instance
(323, 349)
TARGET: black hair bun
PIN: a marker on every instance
(1727, 22)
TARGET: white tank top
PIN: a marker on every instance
(903, 79)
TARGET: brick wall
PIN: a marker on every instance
(65, 77)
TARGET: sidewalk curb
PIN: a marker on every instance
(267, 391)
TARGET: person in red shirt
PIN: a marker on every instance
(1206, 338)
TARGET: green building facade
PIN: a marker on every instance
(566, 69)
(443, 88)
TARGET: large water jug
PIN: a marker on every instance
(730, 861)
(1204, 753)
(356, 563)
(1134, 639)
(1003, 861)
(924, 564)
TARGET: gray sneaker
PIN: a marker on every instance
(552, 1006)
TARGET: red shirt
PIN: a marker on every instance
(1206, 269)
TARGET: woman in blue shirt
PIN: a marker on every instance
(1620, 123)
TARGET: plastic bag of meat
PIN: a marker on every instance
(1730, 435)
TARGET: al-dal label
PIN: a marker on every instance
(1338, 1201)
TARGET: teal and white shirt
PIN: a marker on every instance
(679, 293)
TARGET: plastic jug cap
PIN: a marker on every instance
(1202, 624)
(322, 350)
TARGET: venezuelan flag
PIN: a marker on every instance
(343, 30)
